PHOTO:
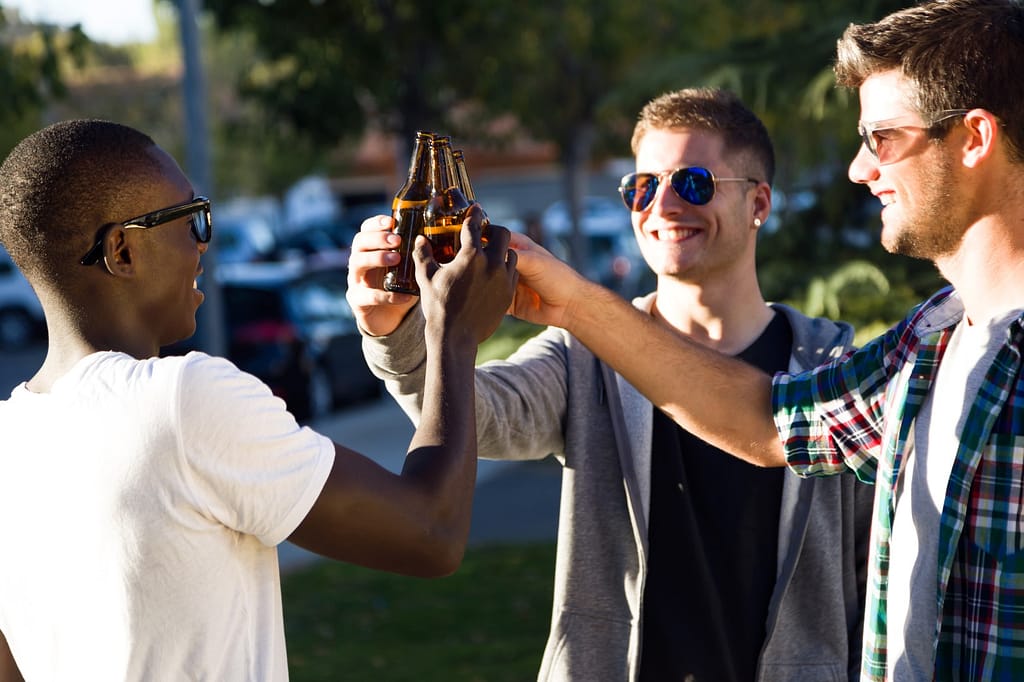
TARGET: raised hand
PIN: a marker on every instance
(547, 286)
(469, 295)
(377, 311)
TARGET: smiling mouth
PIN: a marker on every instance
(674, 233)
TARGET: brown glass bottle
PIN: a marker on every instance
(463, 175)
(446, 209)
(408, 210)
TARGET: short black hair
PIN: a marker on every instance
(61, 184)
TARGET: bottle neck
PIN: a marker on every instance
(441, 169)
(419, 165)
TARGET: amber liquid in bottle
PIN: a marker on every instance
(408, 210)
(447, 206)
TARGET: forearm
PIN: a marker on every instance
(442, 454)
(8, 668)
(399, 359)
(520, 401)
(720, 399)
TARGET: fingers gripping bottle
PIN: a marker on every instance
(408, 210)
(446, 208)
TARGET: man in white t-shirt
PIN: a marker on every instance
(142, 498)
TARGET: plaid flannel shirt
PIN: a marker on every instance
(856, 414)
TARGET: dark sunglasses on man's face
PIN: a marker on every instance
(695, 185)
(200, 223)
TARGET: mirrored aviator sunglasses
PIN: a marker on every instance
(694, 184)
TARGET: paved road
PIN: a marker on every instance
(514, 501)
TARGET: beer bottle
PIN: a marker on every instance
(407, 209)
(463, 175)
(446, 208)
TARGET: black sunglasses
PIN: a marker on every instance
(200, 222)
(695, 185)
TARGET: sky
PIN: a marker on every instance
(108, 21)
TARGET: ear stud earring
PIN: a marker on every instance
(757, 222)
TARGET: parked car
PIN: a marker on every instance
(351, 221)
(613, 256)
(242, 238)
(292, 327)
(21, 315)
(598, 214)
(315, 245)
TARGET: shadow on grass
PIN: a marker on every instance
(486, 623)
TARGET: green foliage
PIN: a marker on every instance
(327, 68)
(857, 277)
(33, 65)
(486, 623)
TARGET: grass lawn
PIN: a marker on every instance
(486, 623)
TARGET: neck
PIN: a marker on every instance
(987, 268)
(727, 319)
(70, 341)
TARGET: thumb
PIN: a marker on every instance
(423, 255)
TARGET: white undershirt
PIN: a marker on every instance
(912, 604)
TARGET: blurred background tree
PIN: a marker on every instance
(33, 64)
(295, 85)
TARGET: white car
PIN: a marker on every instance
(21, 315)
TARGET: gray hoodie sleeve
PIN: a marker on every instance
(520, 402)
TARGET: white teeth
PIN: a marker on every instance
(675, 233)
(886, 199)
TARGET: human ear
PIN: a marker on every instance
(117, 254)
(762, 204)
(983, 131)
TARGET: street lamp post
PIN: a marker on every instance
(211, 319)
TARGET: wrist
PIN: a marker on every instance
(584, 306)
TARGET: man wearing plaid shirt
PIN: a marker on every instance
(931, 412)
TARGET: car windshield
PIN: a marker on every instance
(316, 300)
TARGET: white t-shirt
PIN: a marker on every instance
(141, 503)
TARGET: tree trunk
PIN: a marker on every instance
(576, 163)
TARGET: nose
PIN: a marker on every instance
(203, 247)
(864, 167)
(665, 200)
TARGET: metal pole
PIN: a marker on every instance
(210, 333)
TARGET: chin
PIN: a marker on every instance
(182, 338)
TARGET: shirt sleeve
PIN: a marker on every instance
(521, 401)
(830, 419)
(254, 469)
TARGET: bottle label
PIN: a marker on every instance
(398, 204)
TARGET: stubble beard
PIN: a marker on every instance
(935, 230)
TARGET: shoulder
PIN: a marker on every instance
(816, 339)
(196, 376)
